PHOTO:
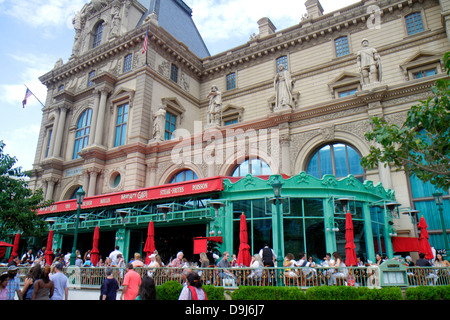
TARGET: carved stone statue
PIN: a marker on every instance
(77, 25)
(369, 64)
(284, 85)
(215, 107)
(159, 120)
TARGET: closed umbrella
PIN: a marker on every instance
(49, 251)
(149, 247)
(94, 251)
(15, 249)
(244, 258)
(424, 245)
(350, 254)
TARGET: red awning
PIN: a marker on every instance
(405, 244)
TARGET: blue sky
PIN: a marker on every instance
(36, 33)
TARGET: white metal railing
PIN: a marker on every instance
(369, 276)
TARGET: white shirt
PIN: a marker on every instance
(113, 256)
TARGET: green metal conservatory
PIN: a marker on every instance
(292, 214)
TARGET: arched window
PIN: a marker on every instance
(256, 167)
(337, 159)
(184, 175)
(98, 32)
(82, 132)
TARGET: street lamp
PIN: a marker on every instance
(276, 185)
(80, 197)
(438, 197)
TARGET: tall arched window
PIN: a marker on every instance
(82, 132)
(256, 167)
(337, 159)
(98, 32)
(184, 175)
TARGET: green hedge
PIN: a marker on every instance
(268, 293)
(428, 293)
(316, 293)
(171, 291)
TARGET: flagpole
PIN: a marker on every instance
(35, 96)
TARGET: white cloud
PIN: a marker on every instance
(232, 22)
(39, 14)
(33, 66)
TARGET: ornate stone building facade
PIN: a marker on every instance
(120, 118)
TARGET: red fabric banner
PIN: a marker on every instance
(405, 244)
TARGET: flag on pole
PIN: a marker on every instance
(28, 93)
(145, 46)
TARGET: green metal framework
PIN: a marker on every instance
(217, 211)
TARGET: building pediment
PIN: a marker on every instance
(345, 78)
(419, 59)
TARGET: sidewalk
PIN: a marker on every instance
(87, 294)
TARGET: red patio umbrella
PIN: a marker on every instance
(15, 249)
(424, 245)
(244, 258)
(149, 247)
(94, 251)
(350, 254)
(49, 251)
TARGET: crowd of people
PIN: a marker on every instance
(45, 282)
(42, 282)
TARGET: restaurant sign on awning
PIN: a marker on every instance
(199, 186)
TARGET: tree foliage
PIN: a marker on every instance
(422, 144)
(18, 203)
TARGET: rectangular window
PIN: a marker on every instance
(171, 122)
(49, 139)
(127, 62)
(282, 60)
(346, 93)
(341, 45)
(231, 121)
(424, 73)
(174, 73)
(414, 23)
(121, 125)
(231, 81)
(91, 75)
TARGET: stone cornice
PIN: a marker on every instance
(157, 36)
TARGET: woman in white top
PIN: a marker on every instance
(257, 265)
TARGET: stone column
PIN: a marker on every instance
(92, 182)
(50, 188)
(53, 137)
(94, 117)
(101, 116)
(60, 131)
(285, 159)
(151, 173)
